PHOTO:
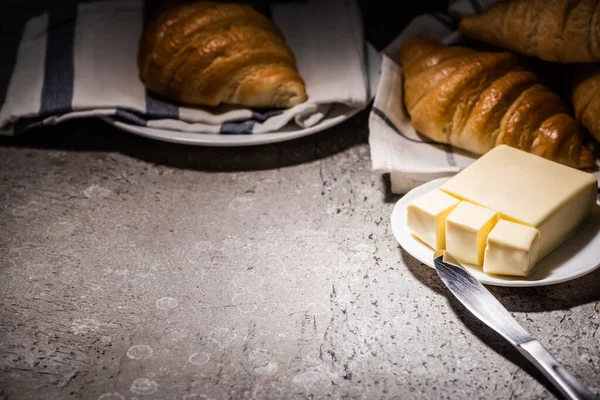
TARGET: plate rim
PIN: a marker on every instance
(231, 140)
(402, 203)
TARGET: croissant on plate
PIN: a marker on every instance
(208, 53)
(586, 97)
(566, 31)
(477, 100)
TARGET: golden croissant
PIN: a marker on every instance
(477, 100)
(586, 97)
(208, 53)
(566, 31)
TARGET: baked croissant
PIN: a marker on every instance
(477, 100)
(586, 97)
(565, 31)
(208, 53)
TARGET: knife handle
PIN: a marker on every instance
(564, 381)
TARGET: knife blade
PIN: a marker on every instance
(481, 303)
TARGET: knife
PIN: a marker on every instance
(477, 299)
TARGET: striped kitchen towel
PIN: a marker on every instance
(396, 148)
(81, 62)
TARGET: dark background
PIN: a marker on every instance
(383, 19)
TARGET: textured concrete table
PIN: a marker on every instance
(134, 269)
(137, 269)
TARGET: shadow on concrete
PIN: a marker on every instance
(560, 296)
(536, 299)
(88, 135)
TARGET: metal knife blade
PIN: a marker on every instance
(477, 299)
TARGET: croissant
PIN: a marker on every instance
(477, 100)
(586, 97)
(566, 31)
(208, 53)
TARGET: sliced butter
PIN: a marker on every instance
(426, 217)
(512, 249)
(528, 189)
(467, 228)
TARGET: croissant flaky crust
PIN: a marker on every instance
(208, 53)
(586, 97)
(477, 100)
(565, 31)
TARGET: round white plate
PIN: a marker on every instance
(336, 115)
(577, 256)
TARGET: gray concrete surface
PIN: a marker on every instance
(133, 269)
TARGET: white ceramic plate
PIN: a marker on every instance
(577, 256)
(338, 114)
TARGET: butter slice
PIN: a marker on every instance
(528, 189)
(426, 217)
(467, 228)
(512, 249)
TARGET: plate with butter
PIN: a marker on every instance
(510, 218)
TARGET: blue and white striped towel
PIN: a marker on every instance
(395, 146)
(81, 62)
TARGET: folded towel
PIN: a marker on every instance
(395, 146)
(81, 62)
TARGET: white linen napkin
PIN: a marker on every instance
(396, 148)
(81, 62)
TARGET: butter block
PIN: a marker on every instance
(467, 229)
(528, 189)
(426, 217)
(512, 249)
